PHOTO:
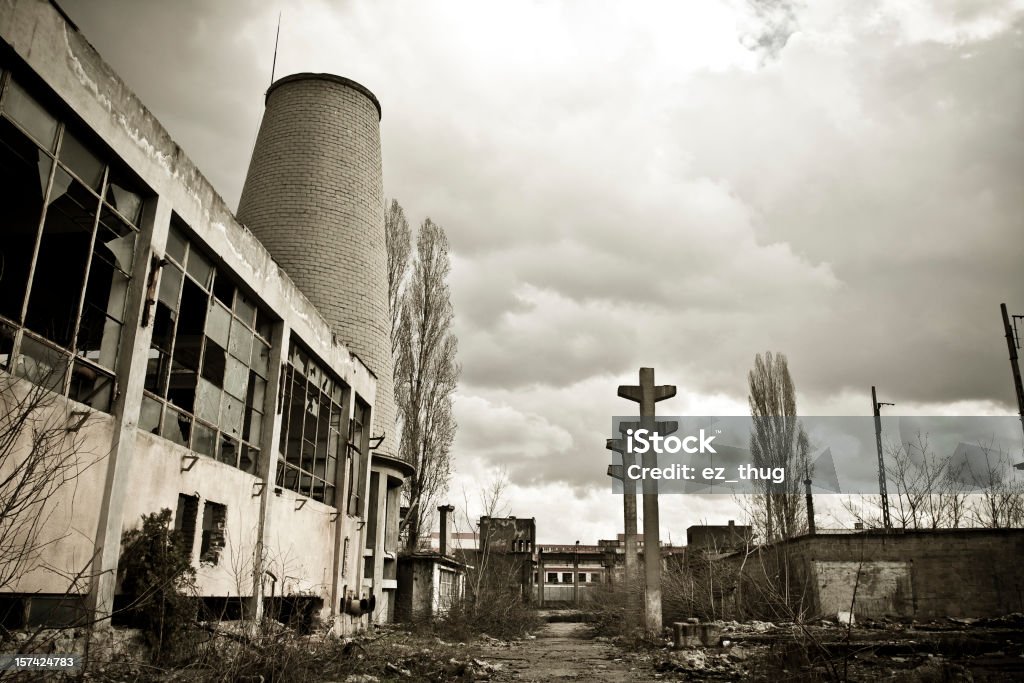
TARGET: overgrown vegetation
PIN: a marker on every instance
(499, 612)
(158, 579)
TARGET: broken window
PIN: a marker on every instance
(552, 577)
(185, 520)
(566, 577)
(208, 360)
(67, 246)
(215, 517)
(311, 441)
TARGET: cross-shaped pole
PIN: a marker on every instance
(647, 394)
(628, 507)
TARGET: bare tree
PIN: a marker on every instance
(41, 452)
(778, 440)
(426, 375)
(1000, 502)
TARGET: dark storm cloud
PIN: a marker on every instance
(680, 187)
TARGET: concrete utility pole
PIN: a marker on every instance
(541, 576)
(628, 508)
(877, 409)
(576, 575)
(1012, 345)
(810, 506)
(647, 394)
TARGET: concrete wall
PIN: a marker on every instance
(919, 574)
(300, 542)
(415, 589)
(419, 587)
(873, 588)
(69, 516)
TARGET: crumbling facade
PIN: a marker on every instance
(245, 389)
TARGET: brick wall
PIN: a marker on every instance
(314, 197)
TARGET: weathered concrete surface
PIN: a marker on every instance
(563, 651)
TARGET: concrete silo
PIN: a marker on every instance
(314, 197)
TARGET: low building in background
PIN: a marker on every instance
(430, 582)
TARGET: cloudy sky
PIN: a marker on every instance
(676, 185)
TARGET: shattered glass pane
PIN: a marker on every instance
(157, 367)
(245, 309)
(331, 469)
(204, 439)
(227, 452)
(241, 341)
(82, 162)
(253, 424)
(123, 195)
(200, 268)
(231, 416)
(177, 427)
(256, 392)
(41, 364)
(61, 263)
(218, 323)
(249, 459)
(117, 239)
(236, 378)
(170, 286)
(149, 415)
(260, 358)
(163, 327)
(207, 402)
(263, 324)
(91, 387)
(24, 109)
(176, 245)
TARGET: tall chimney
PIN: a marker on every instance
(314, 197)
(446, 528)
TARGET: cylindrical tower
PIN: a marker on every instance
(314, 197)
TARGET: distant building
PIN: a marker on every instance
(430, 582)
(719, 539)
(504, 558)
(570, 573)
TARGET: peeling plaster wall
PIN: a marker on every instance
(881, 587)
(69, 517)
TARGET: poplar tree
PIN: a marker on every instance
(426, 371)
(778, 440)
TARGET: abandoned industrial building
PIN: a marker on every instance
(233, 369)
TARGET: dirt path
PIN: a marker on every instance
(563, 651)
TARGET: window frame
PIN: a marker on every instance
(71, 359)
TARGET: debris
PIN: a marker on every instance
(394, 669)
(846, 618)
(738, 654)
